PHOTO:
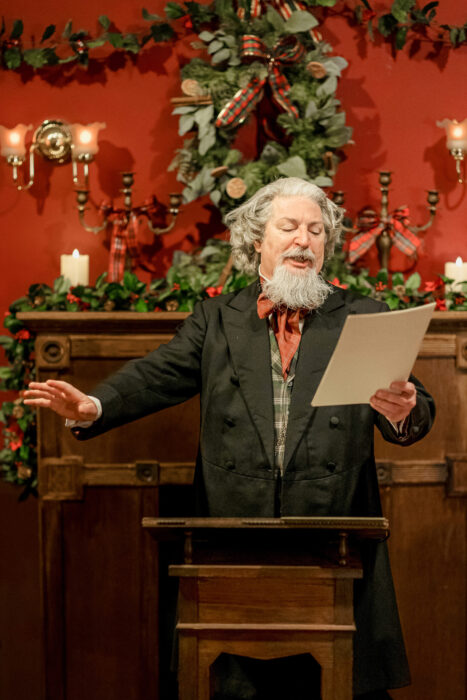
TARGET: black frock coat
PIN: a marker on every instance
(222, 352)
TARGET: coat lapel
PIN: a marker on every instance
(319, 337)
(248, 339)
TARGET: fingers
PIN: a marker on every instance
(396, 402)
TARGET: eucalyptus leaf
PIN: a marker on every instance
(188, 109)
(206, 36)
(274, 19)
(300, 21)
(204, 115)
(413, 282)
(207, 142)
(293, 167)
(328, 87)
(215, 46)
(322, 181)
(220, 56)
(185, 124)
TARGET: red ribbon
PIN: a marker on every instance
(287, 51)
(123, 241)
(396, 226)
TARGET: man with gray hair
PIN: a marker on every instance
(256, 357)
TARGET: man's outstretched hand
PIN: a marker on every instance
(61, 397)
(396, 402)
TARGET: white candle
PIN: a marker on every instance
(84, 138)
(12, 141)
(456, 271)
(75, 268)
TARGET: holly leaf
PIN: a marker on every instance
(35, 58)
(413, 282)
(150, 17)
(12, 58)
(68, 29)
(401, 37)
(104, 21)
(174, 11)
(48, 31)
(115, 39)
(401, 8)
(162, 32)
(387, 24)
(17, 29)
(130, 43)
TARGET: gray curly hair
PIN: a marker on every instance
(247, 222)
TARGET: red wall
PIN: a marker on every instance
(392, 102)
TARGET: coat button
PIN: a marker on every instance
(235, 380)
(416, 429)
(229, 421)
(229, 465)
(331, 466)
(334, 420)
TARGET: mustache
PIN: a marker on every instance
(302, 254)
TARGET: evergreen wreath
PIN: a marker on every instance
(270, 62)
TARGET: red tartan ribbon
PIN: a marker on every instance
(284, 7)
(287, 50)
(402, 237)
(123, 240)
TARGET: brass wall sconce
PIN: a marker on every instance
(58, 142)
(55, 141)
(456, 142)
(386, 228)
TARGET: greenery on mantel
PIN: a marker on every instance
(192, 277)
(407, 21)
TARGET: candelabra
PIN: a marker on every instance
(386, 228)
(124, 214)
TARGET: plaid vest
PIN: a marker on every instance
(282, 394)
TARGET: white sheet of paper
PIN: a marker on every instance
(373, 350)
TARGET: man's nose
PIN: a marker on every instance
(302, 237)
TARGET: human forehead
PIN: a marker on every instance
(295, 208)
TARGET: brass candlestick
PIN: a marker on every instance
(387, 224)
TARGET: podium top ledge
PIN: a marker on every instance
(356, 526)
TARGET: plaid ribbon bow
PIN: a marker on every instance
(123, 239)
(287, 50)
(396, 226)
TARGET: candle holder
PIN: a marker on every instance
(124, 214)
(386, 228)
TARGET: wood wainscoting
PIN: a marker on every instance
(102, 625)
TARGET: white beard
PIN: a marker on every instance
(304, 289)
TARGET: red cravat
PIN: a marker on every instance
(286, 327)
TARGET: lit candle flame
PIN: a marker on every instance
(85, 136)
(75, 253)
(459, 261)
(14, 138)
(458, 132)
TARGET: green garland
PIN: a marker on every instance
(406, 20)
(192, 277)
(208, 162)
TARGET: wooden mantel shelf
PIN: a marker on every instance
(133, 321)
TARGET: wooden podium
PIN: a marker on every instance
(265, 589)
